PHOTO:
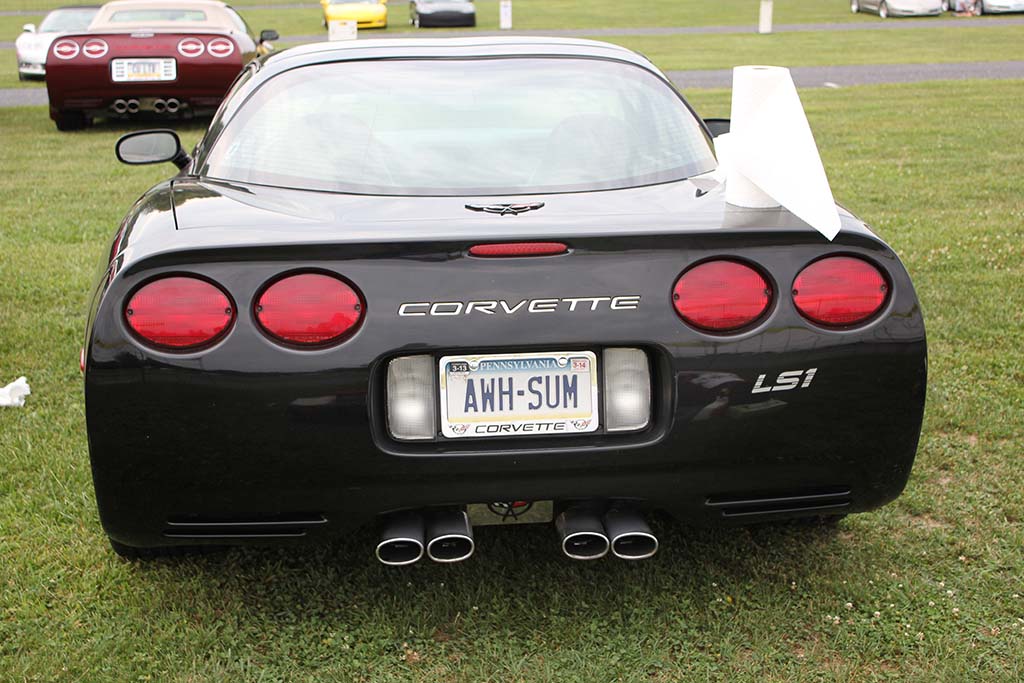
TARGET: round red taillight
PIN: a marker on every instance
(95, 48)
(65, 49)
(191, 47)
(721, 296)
(309, 309)
(179, 312)
(839, 291)
(220, 47)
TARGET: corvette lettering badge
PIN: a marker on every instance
(505, 209)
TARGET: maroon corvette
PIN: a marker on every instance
(174, 58)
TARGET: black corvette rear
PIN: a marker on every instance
(252, 438)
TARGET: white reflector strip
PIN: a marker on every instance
(627, 390)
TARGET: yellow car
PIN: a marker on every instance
(366, 13)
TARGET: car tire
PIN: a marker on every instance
(71, 120)
(883, 10)
(22, 77)
(854, 6)
(944, 5)
(979, 7)
(416, 21)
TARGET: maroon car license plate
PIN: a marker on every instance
(143, 70)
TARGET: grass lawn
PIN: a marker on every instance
(814, 48)
(926, 589)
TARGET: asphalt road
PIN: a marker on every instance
(804, 76)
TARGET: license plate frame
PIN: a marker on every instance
(160, 69)
(582, 418)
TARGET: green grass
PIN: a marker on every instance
(926, 589)
(815, 48)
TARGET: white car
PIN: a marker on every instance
(899, 8)
(988, 6)
(33, 43)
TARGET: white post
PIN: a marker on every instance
(764, 24)
(342, 30)
(505, 15)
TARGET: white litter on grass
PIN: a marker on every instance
(13, 395)
(830, 84)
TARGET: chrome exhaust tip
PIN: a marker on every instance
(173, 106)
(119, 106)
(159, 106)
(450, 536)
(631, 537)
(582, 534)
(133, 106)
(401, 539)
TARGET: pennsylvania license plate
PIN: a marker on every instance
(518, 394)
(143, 70)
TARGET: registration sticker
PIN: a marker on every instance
(518, 394)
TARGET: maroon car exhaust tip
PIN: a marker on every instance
(450, 536)
(582, 534)
(173, 106)
(631, 538)
(119, 106)
(160, 106)
(133, 106)
(401, 539)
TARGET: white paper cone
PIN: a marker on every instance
(739, 190)
(771, 151)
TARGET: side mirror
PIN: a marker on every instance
(28, 28)
(717, 126)
(268, 35)
(151, 147)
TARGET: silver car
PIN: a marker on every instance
(988, 6)
(898, 8)
(33, 43)
(424, 13)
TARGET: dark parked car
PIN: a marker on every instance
(412, 296)
(439, 13)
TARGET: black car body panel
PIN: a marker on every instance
(249, 440)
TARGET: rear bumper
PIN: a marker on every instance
(248, 435)
(446, 19)
(90, 89)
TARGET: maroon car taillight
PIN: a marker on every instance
(721, 295)
(220, 47)
(66, 49)
(309, 309)
(839, 291)
(191, 47)
(95, 48)
(179, 312)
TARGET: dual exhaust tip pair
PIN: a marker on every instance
(447, 536)
(160, 106)
(444, 536)
(588, 535)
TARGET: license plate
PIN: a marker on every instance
(518, 394)
(144, 70)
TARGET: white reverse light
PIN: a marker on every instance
(411, 398)
(627, 390)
